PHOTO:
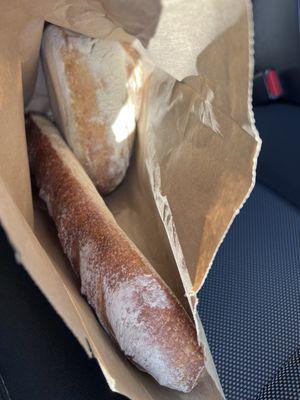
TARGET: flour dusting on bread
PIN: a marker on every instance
(130, 299)
(95, 90)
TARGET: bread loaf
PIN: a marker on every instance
(130, 299)
(95, 93)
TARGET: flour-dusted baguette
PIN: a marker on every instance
(95, 94)
(131, 301)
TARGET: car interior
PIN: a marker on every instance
(250, 301)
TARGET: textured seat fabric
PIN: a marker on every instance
(250, 301)
(285, 384)
(279, 160)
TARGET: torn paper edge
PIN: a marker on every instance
(166, 216)
(163, 207)
(253, 132)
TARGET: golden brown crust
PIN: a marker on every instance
(83, 88)
(90, 85)
(131, 301)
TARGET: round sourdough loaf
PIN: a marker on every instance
(95, 93)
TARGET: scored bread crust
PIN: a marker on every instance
(95, 93)
(130, 299)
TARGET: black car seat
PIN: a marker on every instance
(250, 302)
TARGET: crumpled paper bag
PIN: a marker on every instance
(194, 162)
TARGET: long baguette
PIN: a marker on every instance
(131, 301)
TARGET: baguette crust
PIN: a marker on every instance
(131, 301)
(95, 94)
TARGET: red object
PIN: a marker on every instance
(273, 84)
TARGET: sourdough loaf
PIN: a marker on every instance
(95, 93)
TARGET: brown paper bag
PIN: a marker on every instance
(194, 162)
